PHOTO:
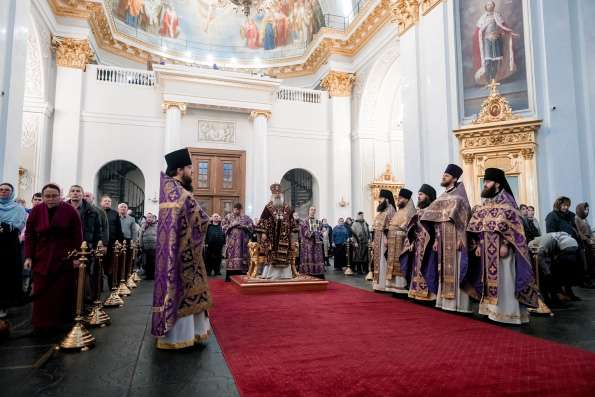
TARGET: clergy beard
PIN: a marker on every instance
(382, 206)
(278, 202)
(401, 205)
(489, 192)
(423, 203)
(186, 182)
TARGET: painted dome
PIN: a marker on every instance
(219, 30)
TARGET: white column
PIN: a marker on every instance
(173, 125)
(72, 56)
(260, 163)
(339, 85)
(14, 22)
(67, 123)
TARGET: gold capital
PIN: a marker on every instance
(170, 104)
(72, 53)
(256, 113)
(405, 14)
(338, 83)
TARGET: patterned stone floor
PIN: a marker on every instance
(125, 362)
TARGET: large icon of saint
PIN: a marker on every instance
(493, 50)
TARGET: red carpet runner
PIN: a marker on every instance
(350, 342)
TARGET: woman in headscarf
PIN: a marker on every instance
(12, 221)
(53, 230)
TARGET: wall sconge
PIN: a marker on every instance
(154, 199)
(343, 203)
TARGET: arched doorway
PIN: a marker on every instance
(300, 190)
(124, 183)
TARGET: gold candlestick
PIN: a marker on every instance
(79, 338)
(370, 275)
(130, 281)
(114, 300)
(122, 288)
(135, 277)
(542, 307)
(98, 317)
(294, 255)
(348, 271)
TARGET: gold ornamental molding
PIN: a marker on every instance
(495, 107)
(165, 106)
(497, 138)
(257, 113)
(405, 14)
(386, 181)
(356, 37)
(338, 84)
(72, 53)
(428, 5)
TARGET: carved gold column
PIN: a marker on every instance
(72, 53)
(498, 138)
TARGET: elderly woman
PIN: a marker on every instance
(12, 221)
(53, 230)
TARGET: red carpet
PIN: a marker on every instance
(350, 342)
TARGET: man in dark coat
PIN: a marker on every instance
(115, 234)
(92, 234)
(214, 243)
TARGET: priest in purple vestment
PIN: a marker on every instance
(311, 249)
(238, 229)
(501, 277)
(449, 215)
(418, 260)
(181, 295)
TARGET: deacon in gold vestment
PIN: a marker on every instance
(386, 211)
(449, 214)
(397, 231)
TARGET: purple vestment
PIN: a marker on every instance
(420, 264)
(237, 229)
(496, 219)
(311, 250)
(181, 287)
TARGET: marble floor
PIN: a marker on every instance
(126, 363)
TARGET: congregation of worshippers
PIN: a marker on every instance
(495, 258)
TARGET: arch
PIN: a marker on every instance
(124, 182)
(300, 189)
(374, 142)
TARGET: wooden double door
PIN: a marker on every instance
(219, 179)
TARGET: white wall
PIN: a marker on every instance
(121, 121)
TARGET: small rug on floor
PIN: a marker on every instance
(351, 342)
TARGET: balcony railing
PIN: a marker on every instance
(117, 75)
(298, 95)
